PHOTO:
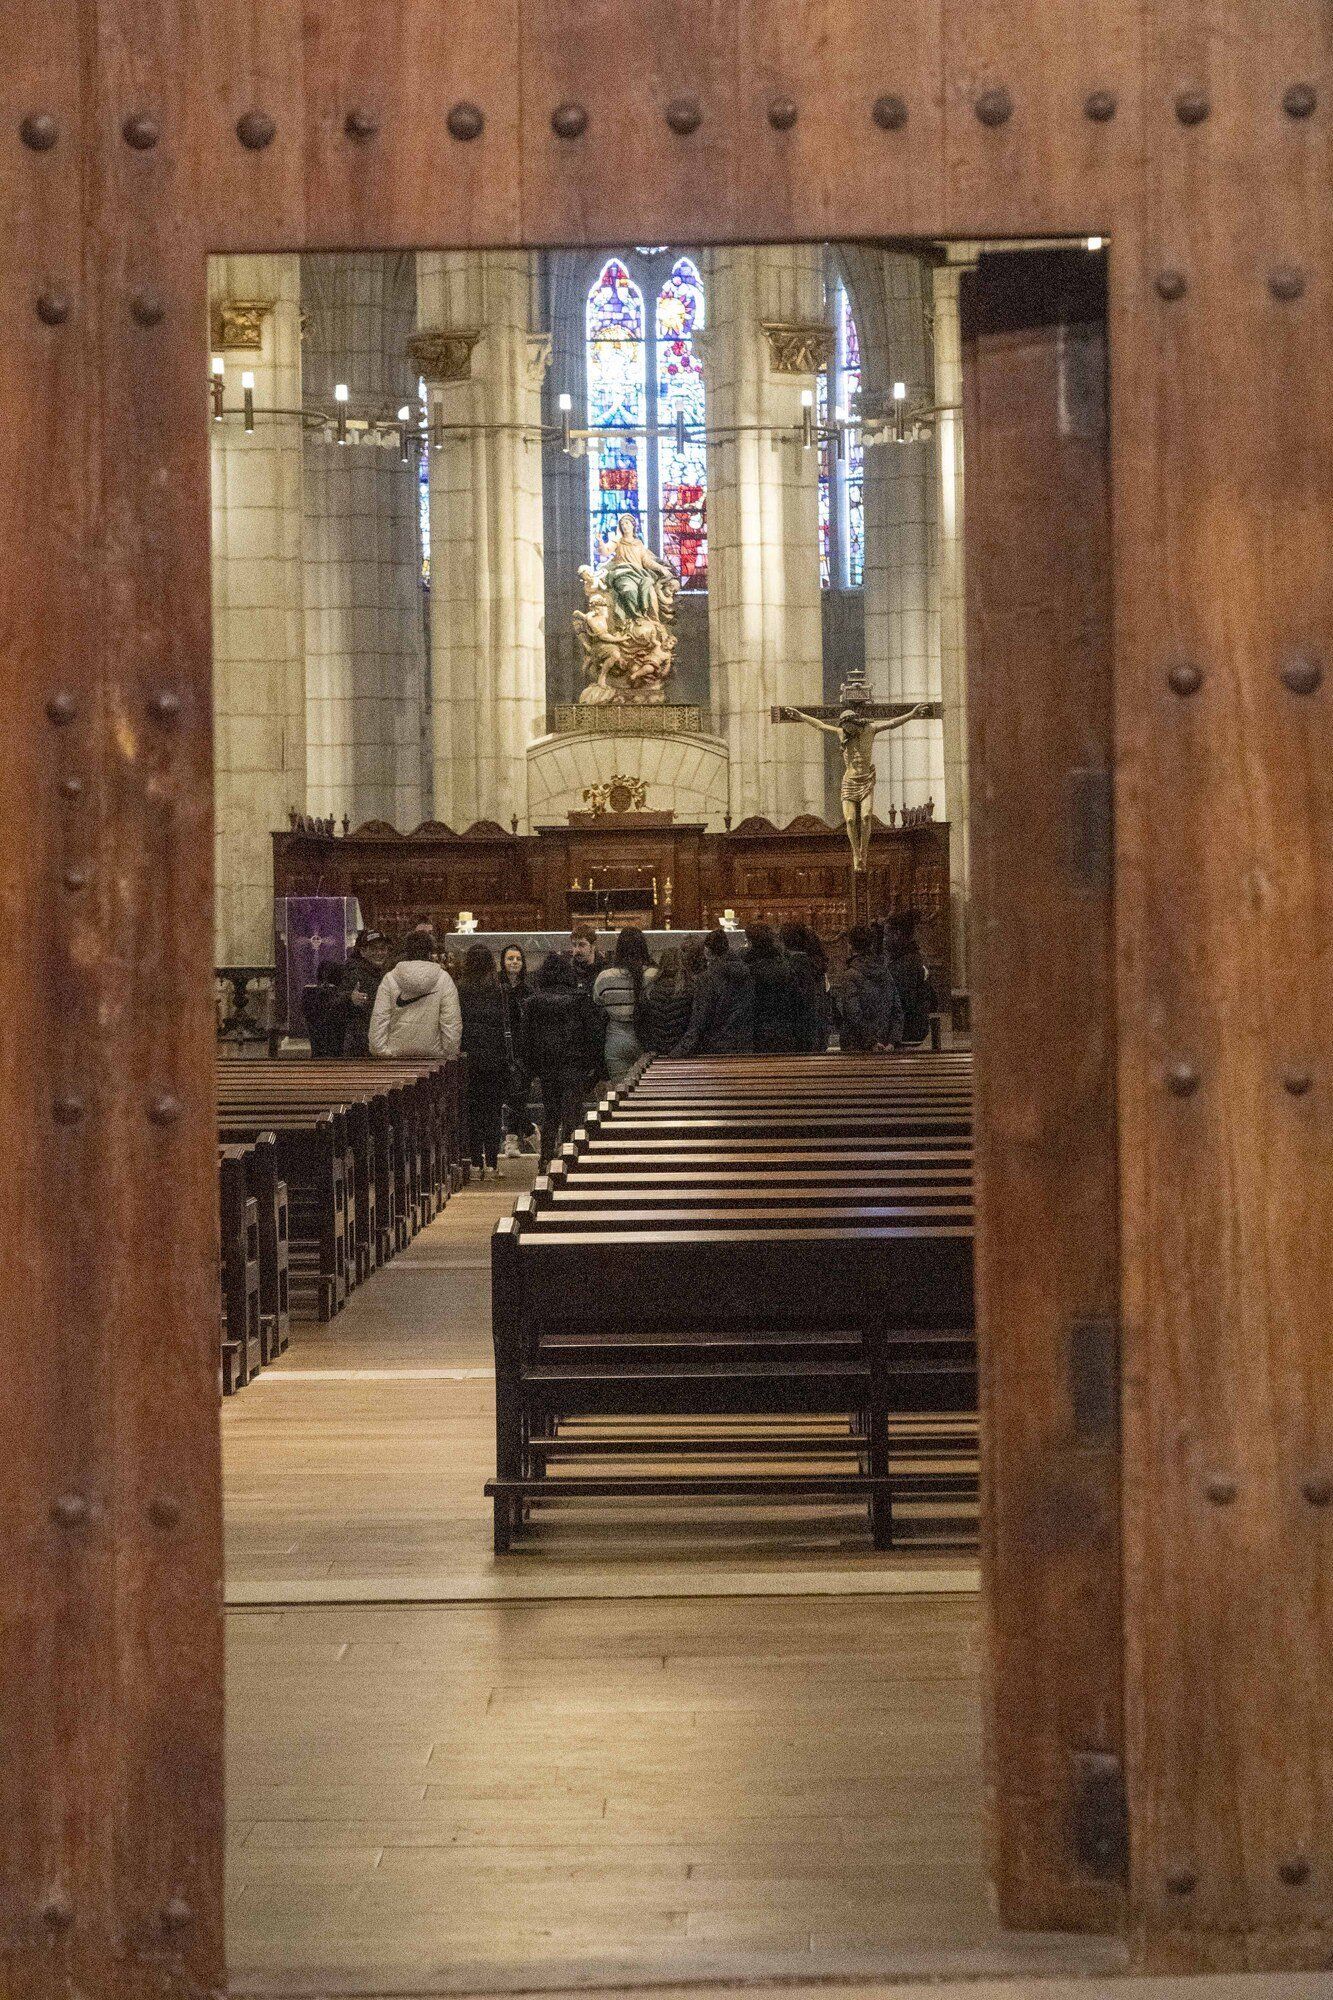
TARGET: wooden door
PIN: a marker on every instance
(137, 137)
(1038, 556)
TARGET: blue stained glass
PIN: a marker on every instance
(842, 479)
(423, 482)
(825, 484)
(854, 478)
(617, 395)
(682, 451)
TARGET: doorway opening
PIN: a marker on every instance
(534, 576)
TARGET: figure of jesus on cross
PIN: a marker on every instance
(856, 722)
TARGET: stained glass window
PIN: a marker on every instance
(854, 463)
(644, 373)
(825, 482)
(423, 482)
(682, 462)
(842, 473)
(617, 394)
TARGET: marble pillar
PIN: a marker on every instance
(258, 622)
(484, 368)
(765, 627)
(364, 615)
(952, 599)
(892, 299)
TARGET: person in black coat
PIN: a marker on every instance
(584, 956)
(722, 1017)
(516, 989)
(325, 1010)
(805, 955)
(564, 1043)
(361, 978)
(665, 1008)
(911, 976)
(778, 1012)
(870, 1014)
(486, 1046)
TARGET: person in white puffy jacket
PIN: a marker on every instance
(416, 1013)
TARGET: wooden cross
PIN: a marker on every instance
(873, 711)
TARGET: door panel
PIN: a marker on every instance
(1039, 694)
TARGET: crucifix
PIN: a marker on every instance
(856, 722)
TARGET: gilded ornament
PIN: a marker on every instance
(799, 349)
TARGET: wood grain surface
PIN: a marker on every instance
(1222, 427)
(1040, 718)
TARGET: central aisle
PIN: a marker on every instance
(713, 1755)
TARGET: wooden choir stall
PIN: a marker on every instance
(612, 868)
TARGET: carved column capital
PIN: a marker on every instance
(442, 355)
(239, 323)
(798, 348)
(539, 358)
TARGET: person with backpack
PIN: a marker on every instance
(564, 1044)
(667, 1004)
(906, 961)
(722, 1017)
(619, 991)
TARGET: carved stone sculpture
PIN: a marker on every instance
(625, 628)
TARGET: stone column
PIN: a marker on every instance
(891, 294)
(487, 616)
(365, 636)
(952, 600)
(258, 625)
(765, 628)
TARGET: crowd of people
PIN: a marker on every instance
(579, 1020)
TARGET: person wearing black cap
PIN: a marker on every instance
(361, 982)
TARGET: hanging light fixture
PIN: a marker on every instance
(248, 390)
(807, 418)
(219, 383)
(340, 398)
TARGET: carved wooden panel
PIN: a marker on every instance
(522, 881)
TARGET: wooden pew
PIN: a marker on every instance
(241, 1346)
(370, 1151)
(270, 1196)
(688, 1257)
(314, 1170)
